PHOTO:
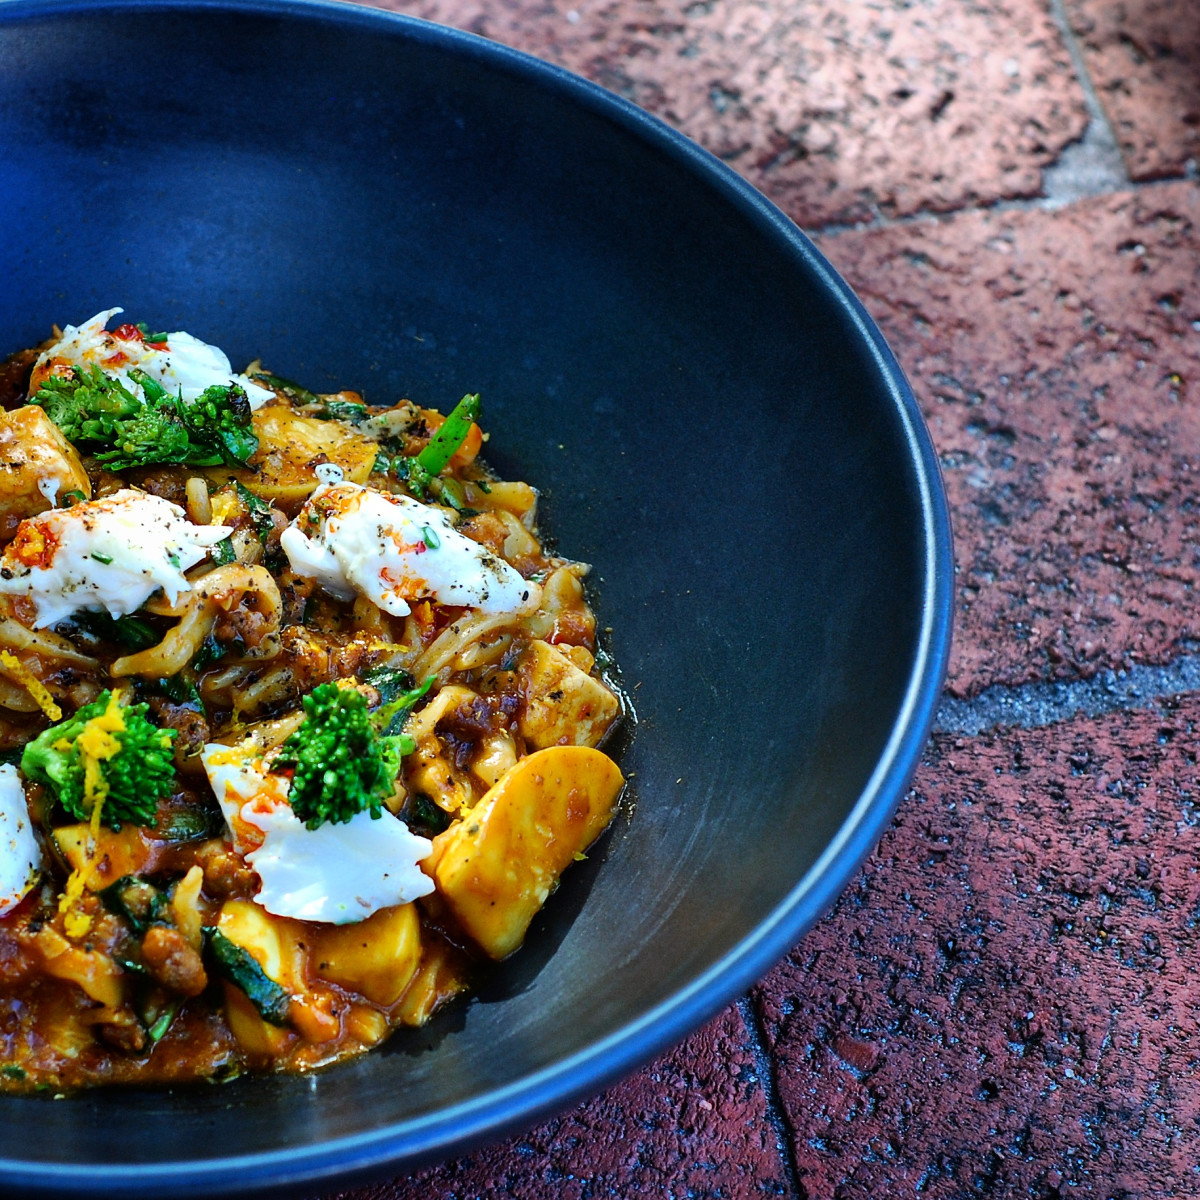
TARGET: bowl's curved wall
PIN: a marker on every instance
(372, 203)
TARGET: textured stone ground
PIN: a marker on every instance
(1005, 1002)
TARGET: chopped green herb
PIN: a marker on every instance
(243, 970)
(210, 650)
(223, 553)
(134, 899)
(293, 391)
(12, 1071)
(179, 690)
(130, 631)
(430, 538)
(166, 1019)
(102, 558)
(390, 717)
(150, 338)
(424, 817)
(72, 498)
(193, 824)
(258, 508)
(389, 682)
(342, 410)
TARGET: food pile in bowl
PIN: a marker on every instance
(299, 718)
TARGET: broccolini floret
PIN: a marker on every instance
(122, 429)
(341, 762)
(109, 754)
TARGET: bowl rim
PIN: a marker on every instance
(491, 1115)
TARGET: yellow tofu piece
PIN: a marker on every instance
(564, 706)
(120, 852)
(376, 958)
(275, 945)
(495, 868)
(34, 456)
(96, 973)
(274, 942)
(260, 1042)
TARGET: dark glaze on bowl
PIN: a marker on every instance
(714, 422)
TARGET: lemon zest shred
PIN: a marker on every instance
(34, 686)
(226, 756)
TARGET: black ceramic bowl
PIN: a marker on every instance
(372, 202)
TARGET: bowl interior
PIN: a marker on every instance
(372, 203)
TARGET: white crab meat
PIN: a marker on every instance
(20, 854)
(182, 364)
(355, 540)
(109, 554)
(336, 873)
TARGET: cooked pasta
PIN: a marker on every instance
(300, 721)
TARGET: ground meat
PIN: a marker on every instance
(191, 728)
(124, 1034)
(14, 377)
(462, 728)
(294, 592)
(225, 873)
(167, 482)
(171, 959)
(15, 961)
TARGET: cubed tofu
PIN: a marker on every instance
(275, 943)
(564, 706)
(96, 973)
(495, 868)
(376, 958)
(121, 852)
(36, 464)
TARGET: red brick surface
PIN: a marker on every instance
(1057, 358)
(1144, 56)
(835, 111)
(693, 1124)
(1007, 1001)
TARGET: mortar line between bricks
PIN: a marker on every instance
(775, 1111)
(1100, 128)
(1034, 204)
(1035, 705)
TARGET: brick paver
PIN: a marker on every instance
(835, 111)
(1005, 1001)
(1064, 404)
(1144, 56)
